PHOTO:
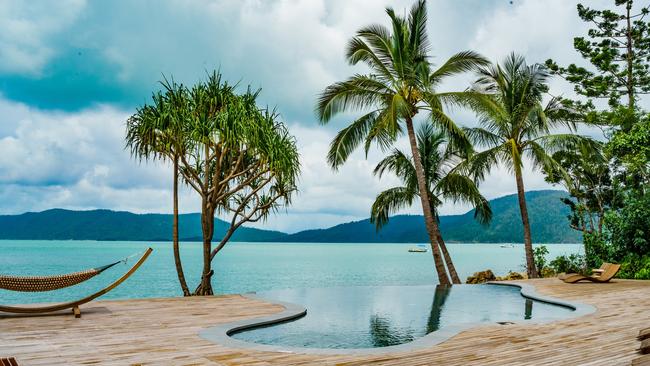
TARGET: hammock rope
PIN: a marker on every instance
(56, 282)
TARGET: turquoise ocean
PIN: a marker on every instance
(246, 267)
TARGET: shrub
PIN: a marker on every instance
(574, 263)
(540, 253)
(635, 267)
(597, 250)
(629, 227)
(548, 272)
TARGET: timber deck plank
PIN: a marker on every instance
(165, 332)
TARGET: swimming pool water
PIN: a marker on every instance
(380, 316)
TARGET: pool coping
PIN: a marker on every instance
(220, 334)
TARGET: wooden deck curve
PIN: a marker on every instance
(165, 332)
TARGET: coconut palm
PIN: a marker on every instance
(515, 125)
(156, 132)
(443, 182)
(401, 83)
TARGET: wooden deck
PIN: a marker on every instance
(164, 332)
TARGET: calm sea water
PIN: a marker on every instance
(247, 267)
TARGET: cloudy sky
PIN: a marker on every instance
(71, 72)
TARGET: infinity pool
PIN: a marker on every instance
(371, 317)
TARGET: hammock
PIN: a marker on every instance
(49, 283)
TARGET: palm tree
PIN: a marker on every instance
(401, 83)
(156, 132)
(443, 181)
(515, 125)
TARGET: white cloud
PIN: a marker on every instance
(26, 30)
(291, 48)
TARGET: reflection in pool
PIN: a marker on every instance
(369, 317)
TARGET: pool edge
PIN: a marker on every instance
(220, 334)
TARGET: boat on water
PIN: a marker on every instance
(507, 245)
(421, 248)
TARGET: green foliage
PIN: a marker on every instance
(401, 83)
(515, 125)
(514, 122)
(548, 272)
(443, 182)
(574, 263)
(608, 185)
(540, 254)
(237, 156)
(635, 267)
(629, 226)
(584, 172)
(631, 149)
(618, 49)
(597, 250)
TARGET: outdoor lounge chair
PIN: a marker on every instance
(595, 271)
(609, 271)
(643, 334)
(8, 362)
(49, 283)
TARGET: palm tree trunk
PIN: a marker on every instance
(440, 296)
(429, 221)
(177, 254)
(450, 264)
(528, 243)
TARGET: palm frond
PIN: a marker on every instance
(388, 202)
(461, 62)
(459, 188)
(358, 93)
(350, 138)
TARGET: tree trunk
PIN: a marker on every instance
(177, 254)
(450, 265)
(629, 60)
(223, 241)
(528, 243)
(429, 220)
(207, 226)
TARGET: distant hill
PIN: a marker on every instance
(547, 216)
(58, 224)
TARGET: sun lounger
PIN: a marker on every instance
(599, 271)
(609, 271)
(643, 334)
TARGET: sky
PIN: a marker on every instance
(73, 71)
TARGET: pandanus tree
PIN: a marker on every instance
(156, 132)
(443, 182)
(266, 187)
(401, 83)
(239, 158)
(515, 127)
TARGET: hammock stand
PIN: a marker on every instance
(49, 283)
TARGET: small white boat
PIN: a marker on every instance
(419, 249)
(507, 245)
